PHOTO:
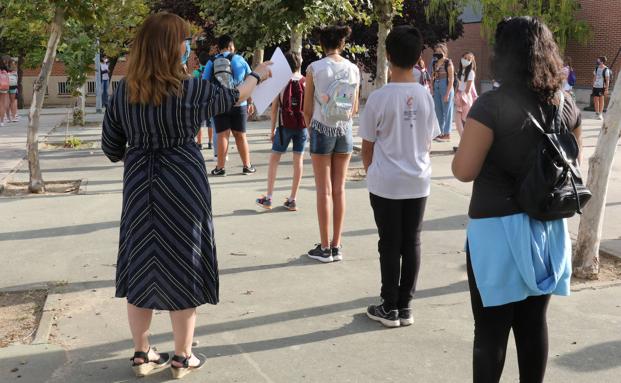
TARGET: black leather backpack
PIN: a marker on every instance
(553, 188)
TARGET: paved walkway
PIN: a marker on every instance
(282, 317)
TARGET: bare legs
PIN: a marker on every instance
(183, 323)
(459, 123)
(242, 147)
(330, 172)
(13, 106)
(4, 105)
(298, 166)
(598, 102)
(340, 162)
(223, 147)
(139, 323)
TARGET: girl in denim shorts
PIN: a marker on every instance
(331, 99)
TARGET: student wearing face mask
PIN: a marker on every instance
(601, 82)
(443, 92)
(105, 80)
(466, 90)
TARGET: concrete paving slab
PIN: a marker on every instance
(282, 317)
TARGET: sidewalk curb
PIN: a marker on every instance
(47, 318)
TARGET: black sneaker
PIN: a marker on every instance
(322, 255)
(218, 172)
(337, 253)
(405, 317)
(387, 318)
(209, 146)
(249, 170)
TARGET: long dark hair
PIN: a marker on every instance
(526, 56)
(468, 69)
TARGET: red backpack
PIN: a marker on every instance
(4, 81)
(292, 105)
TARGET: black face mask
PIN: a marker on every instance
(438, 56)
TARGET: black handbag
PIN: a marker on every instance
(553, 188)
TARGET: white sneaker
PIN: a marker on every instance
(1, 124)
(600, 116)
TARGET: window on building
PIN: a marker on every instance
(63, 88)
(90, 88)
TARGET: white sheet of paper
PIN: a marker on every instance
(267, 91)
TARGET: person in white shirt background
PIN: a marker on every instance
(105, 80)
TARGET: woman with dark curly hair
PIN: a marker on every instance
(514, 262)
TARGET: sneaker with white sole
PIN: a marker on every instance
(388, 318)
(337, 253)
(405, 317)
(218, 172)
(320, 254)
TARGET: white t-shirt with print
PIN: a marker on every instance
(324, 72)
(599, 77)
(400, 119)
(463, 82)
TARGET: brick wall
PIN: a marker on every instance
(604, 18)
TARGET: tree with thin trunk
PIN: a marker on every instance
(384, 11)
(586, 252)
(36, 184)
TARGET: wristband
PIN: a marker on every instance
(255, 75)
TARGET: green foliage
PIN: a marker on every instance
(23, 30)
(73, 142)
(559, 15)
(77, 51)
(117, 25)
(260, 23)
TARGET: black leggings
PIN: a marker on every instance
(527, 318)
(399, 224)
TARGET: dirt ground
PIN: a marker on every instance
(14, 189)
(20, 313)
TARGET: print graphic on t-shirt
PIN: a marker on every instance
(409, 113)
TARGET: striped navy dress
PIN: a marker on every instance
(167, 253)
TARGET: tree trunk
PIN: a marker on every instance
(296, 41)
(36, 184)
(257, 57)
(384, 14)
(79, 110)
(586, 255)
(20, 75)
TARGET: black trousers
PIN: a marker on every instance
(527, 318)
(399, 223)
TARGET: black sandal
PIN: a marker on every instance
(148, 367)
(180, 372)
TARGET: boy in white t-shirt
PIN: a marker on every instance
(397, 127)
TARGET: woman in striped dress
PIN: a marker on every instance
(167, 254)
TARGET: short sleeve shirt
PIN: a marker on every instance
(512, 152)
(599, 77)
(463, 81)
(400, 119)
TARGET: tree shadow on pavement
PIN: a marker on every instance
(598, 357)
(455, 222)
(54, 232)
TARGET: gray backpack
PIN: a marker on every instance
(338, 104)
(223, 71)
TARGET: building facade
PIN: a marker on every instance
(603, 18)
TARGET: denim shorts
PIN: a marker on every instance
(323, 144)
(283, 136)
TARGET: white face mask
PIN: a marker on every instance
(465, 62)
